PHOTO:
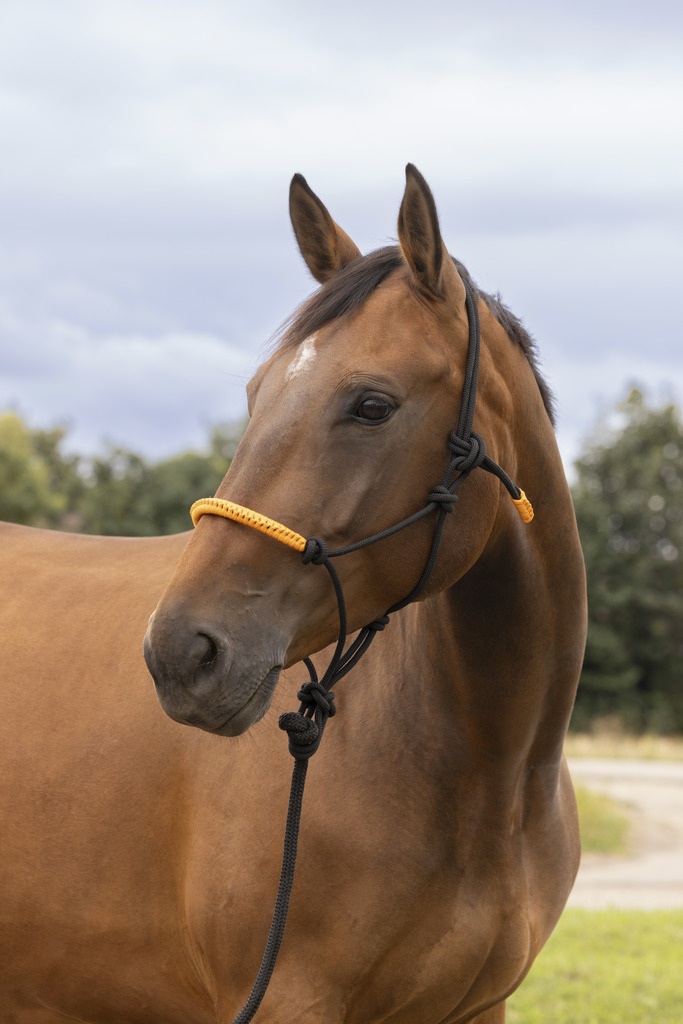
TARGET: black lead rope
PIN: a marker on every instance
(305, 727)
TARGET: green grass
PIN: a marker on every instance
(605, 826)
(606, 967)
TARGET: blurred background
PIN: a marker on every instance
(146, 255)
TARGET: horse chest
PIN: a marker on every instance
(422, 961)
(387, 922)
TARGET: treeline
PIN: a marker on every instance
(629, 504)
(118, 493)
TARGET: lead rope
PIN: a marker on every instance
(305, 727)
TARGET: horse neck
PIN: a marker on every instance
(489, 666)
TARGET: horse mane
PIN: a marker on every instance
(355, 283)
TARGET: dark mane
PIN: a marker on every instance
(349, 289)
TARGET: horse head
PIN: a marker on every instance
(350, 421)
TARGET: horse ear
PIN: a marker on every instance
(420, 238)
(323, 244)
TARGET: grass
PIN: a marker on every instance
(605, 826)
(612, 742)
(606, 967)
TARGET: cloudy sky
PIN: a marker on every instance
(147, 146)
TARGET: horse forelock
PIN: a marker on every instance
(347, 291)
(350, 288)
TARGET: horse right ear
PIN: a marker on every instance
(419, 235)
(323, 244)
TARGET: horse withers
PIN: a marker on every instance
(439, 839)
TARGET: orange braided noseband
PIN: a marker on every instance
(229, 510)
(271, 528)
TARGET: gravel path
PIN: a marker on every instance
(651, 877)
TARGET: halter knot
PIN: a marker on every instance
(440, 495)
(303, 733)
(315, 551)
(313, 696)
(470, 453)
(378, 625)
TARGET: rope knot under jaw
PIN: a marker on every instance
(303, 733)
(313, 696)
(314, 552)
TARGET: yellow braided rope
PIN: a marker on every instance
(524, 507)
(229, 510)
(240, 514)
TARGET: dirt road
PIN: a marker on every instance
(651, 877)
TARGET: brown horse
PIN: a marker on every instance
(439, 840)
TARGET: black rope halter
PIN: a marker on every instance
(305, 727)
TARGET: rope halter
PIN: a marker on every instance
(305, 727)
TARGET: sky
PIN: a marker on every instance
(146, 149)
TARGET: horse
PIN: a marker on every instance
(439, 838)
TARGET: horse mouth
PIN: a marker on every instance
(212, 718)
(254, 709)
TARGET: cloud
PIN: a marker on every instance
(158, 95)
(156, 394)
(148, 150)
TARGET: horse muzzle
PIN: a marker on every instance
(202, 681)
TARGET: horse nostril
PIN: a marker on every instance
(210, 654)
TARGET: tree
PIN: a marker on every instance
(117, 492)
(64, 476)
(179, 481)
(629, 505)
(27, 474)
(118, 496)
(126, 496)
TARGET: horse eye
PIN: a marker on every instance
(374, 409)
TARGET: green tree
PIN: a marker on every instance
(64, 476)
(629, 505)
(117, 498)
(124, 495)
(179, 481)
(117, 492)
(28, 462)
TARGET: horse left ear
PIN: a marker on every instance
(323, 244)
(419, 235)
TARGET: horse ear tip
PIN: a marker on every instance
(415, 176)
(298, 180)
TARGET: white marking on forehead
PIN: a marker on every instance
(305, 354)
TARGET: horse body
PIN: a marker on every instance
(439, 840)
